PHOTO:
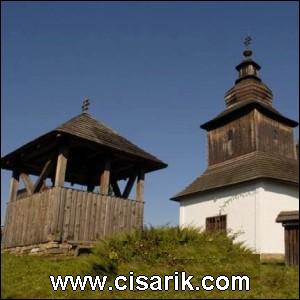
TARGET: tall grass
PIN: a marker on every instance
(153, 251)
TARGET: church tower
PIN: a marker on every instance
(252, 171)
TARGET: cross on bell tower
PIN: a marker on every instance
(85, 105)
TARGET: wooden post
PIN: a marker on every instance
(40, 182)
(105, 177)
(61, 167)
(27, 182)
(14, 184)
(140, 186)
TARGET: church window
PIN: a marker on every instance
(217, 223)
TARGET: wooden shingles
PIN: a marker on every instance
(248, 167)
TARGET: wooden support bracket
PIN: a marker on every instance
(129, 186)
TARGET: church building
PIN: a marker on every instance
(252, 173)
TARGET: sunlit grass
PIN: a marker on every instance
(155, 251)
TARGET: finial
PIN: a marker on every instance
(247, 42)
(85, 104)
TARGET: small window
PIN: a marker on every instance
(217, 223)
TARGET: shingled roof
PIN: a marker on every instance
(248, 167)
(242, 108)
(87, 128)
(89, 132)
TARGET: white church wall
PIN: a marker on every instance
(239, 203)
(274, 198)
(251, 210)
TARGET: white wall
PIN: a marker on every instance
(251, 210)
(237, 202)
(275, 197)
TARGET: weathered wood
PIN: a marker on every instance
(62, 214)
(45, 172)
(105, 178)
(67, 215)
(129, 186)
(14, 184)
(140, 186)
(116, 188)
(27, 183)
(61, 167)
(78, 216)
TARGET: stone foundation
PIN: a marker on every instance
(272, 257)
(51, 248)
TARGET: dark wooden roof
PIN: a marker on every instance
(91, 141)
(248, 167)
(241, 108)
(288, 216)
(89, 129)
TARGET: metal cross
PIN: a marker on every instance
(85, 104)
(247, 41)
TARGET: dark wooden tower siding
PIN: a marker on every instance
(250, 139)
(85, 152)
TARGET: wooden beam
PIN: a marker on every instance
(129, 186)
(27, 183)
(14, 184)
(90, 187)
(61, 167)
(140, 186)
(116, 188)
(105, 178)
(45, 172)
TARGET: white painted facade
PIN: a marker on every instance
(251, 209)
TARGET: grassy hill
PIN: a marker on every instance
(155, 251)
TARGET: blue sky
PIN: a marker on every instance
(154, 71)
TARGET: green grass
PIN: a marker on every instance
(155, 251)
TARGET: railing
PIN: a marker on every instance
(64, 214)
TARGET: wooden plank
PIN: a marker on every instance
(61, 167)
(49, 215)
(78, 215)
(73, 214)
(105, 178)
(113, 215)
(129, 186)
(117, 226)
(97, 232)
(128, 212)
(27, 183)
(82, 218)
(140, 186)
(14, 184)
(61, 203)
(87, 216)
(55, 213)
(45, 172)
(107, 217)
(5, 228)
(93, 217)
(103, 211)
(67, 215)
